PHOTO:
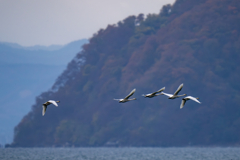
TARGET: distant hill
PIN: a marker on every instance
(36, 47)
(192, 42)
(26, 73)
(16, 54)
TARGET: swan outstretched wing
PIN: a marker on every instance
(160, 90)
(183, 103)
(188, 98)
(44, 109)
(179, 89)
(193, 98)
(116, 99)
(53, 102)
(166, 94)
(130, 94)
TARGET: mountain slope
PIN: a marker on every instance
(192, 42)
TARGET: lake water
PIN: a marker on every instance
(120, 153)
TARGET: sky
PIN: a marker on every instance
(58, 22)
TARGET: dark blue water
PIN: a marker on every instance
(120, 153)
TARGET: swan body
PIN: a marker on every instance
(126, 99)
(48, 103)
(188, 98)
(175, 95)
(154, 94)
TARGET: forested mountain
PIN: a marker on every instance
(192, 42)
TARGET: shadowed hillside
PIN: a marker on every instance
(192, 42)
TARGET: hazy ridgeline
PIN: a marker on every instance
(26, 72)
(192, 42)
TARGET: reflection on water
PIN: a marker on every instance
(120, 153)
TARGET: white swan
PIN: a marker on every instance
(173, 96)
(188, 98)
(126, 98)
(48, 103)
(150, 95)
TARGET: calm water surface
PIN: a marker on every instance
(120, 154)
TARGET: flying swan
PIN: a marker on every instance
(48, 103)
(126, 98)
(150, 95)
(188, 98)
(175, 95)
